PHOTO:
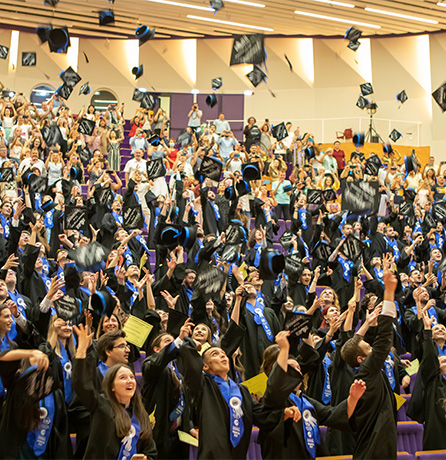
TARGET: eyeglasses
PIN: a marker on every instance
(122, 346)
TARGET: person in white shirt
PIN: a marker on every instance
(221, 124)
(135, 163)
(33, 161)
(138, 141)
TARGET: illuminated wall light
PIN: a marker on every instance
(73, 52)
(195, 91)
(190, 59)
(331, 18)
(13, 50)
(132, 55)
(305, 49)
(399, 15)
(247, 93)
(182, 5)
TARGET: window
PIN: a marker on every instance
(102, 99)
(41, 94)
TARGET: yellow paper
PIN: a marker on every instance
(243, 270)
(187, 438)
(152, 415)
(413, 368)
(399, 401)
(204, 347)
(143, 261)
(257, 384)
(136, 330)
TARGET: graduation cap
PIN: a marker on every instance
(48, 205)
(37, 184)
(405, 208)
(67, 307)
(217, 5)
(251, 171)
(210, 167)
(322, 250)
(175, 322)
(409, 195)
(329, 194)
(64, 91)
(314, 196)
(372, 165)
(58, 40)
(29, 59)
(362, 102)
(209, 282)
(138, 71)
(256, 76)
(85, 155)
(387, 149)
(103, 195)
(75, 218)
(285, 239)
(411, 164)
(155, 168)
(217, 83)
(75, 173)
(309, 153)
(353, 35)
(298, 323)
(132, 217)
(439, 210)
(279, 131)
(169, 235)
(235, 233)
(271, 264)
(395, 135)
(148, 101)
(85, 89)
(103, 303)
(231, 253)
(70, 77)
(359, 139)
(184, 139)
(150, 196)
(293, 267)
(86, 126)
(51, 135)
(428, 222)
(402, 97)
(211, 100)
(248, 49)
(352, 248)
(242, 187)
(138, 95)
(4, 50)
(439, 96)
(144, 34)
(6, 175)
(90, 258)
(366, 89)
(106, 17)
(188, 236)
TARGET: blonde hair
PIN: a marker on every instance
(57, 348)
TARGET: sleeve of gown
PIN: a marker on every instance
(192, 366)
(232, 338)
(429, 366)
(83, 381)
(280, 385)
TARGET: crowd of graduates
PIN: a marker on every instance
(214, 262)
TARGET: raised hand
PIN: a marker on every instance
(427, 320)
(171, 301)
(357, 389)
(292, 412)
(186, 329)
(39, 359)
(56, 285)
(282, 339)
(12, 262)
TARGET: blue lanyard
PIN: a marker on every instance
(347, 266)
(303, 217)
(103, 368)
(326, 393)
(179, 408)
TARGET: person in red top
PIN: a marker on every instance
(135, 123)
(339, 156)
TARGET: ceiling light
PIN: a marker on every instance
(247, 93)
(438, 4)
(331, 18)
(331, 2)
(195, 91)
(229, 23)
(184, 5)
(241, 2)
(398, 15)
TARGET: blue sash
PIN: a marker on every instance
(388, 367)
(103, 368)
(441, 351)
(258, 248)
(233, 397)
(179, 408)
(66, 366)
(135, 294)
(37, 201)
(38, 439)
(128, 448)
(118, 218)
(45, 266)
(303, 217)
(432, 312)
(307, 251)
(200, 245)
(347, 266)
(143, 243)
(5, 224)
(309, 423)
(46, 280)
(216, 210)
(326, 393)
(49, 219)
(259, 318)
(394, 245)
(379, 275)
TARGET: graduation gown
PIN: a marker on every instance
(374, 420)
(210, 222)
(103, 442)
(287, 439)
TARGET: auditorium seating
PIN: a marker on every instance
(409, 437)
(431, 455)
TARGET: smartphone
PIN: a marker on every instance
(109, 171)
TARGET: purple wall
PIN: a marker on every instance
(232, 105)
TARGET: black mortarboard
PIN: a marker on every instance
(29, 59)
(148, 101)
(242, 187)
(322, 250)
(37, 184)
(329, 194)
(184, 139)
(248, 49)
(67, 307)
(287, 188)
(70, 77)
(411, 164)
(175, 322)
(366, 89)
(271, 264)
(210, 167)
(354, 45)
(64, 91)
(106, 17)
(51, 135)
(293, 267)
(298, 323)
(42, 33)
(309, 153)
(359, 139)
(188, 236)
(251, 171)
(217, 83)
(144, 34)
(428, 222)
(362, 102)
(352, 248)
(353, 34)
(75, 218)
(387, 148)
(75, 173)
(256, 76)
(314, 196)
(217, 4)
(132, 217)
(402, 97)
(439, 96)
(279, 131)
(85, 89)
(137, 71)
(231, 253)
(169, 235)
(285, 239)
(4, 50)
(331, 225)
(103, 195)
(235, 233)
(211, 100)
(48, 205)
(209, 282)
(86, 126)
(150, 196)
(155, 168)
(103, 303)
(372, 165)
(439, 210)
(409, 195)
(395, 135)
(138, 95)
(84, 155)
(59, 40)
(405, 208)
(154, 140)
(6, 175)
(89, 258)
